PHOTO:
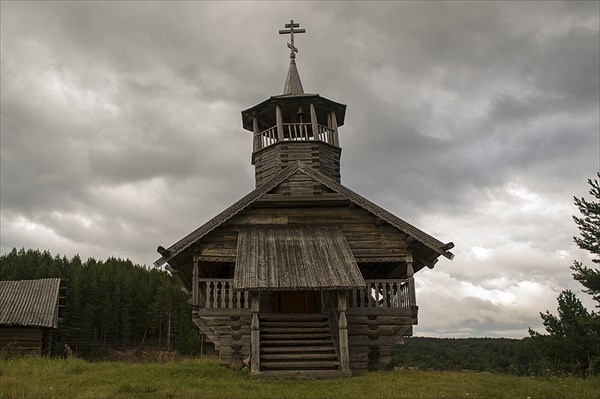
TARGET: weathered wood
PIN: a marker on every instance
(195, 290)
(334, 127)
(266, 349)
(255, 140)
(255, 335)
(279, 119)
(313, 119)
(411, 284)
(373, 329)
(343, 332)
(299, 356)
(303, 365)
(207, 330)
(385, 319)
(318, 154)
(356, 341)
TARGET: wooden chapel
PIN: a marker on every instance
(302, 276)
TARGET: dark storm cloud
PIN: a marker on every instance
(121, 130)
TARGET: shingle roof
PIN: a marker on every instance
(295, 259)
(31, 303)
(293, 85)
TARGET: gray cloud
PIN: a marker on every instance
(478, 122)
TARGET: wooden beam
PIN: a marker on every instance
(334, 126)
(195, 288)
(411, 284)
(255, 145)
(255, 334)
(313, 121)
(279, 120)
(343, 332)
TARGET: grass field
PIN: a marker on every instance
(74, 378)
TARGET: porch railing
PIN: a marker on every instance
(294, 132)
(219, 294)
(215, 293)
(382, 294)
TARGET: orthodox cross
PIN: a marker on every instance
(291, 31)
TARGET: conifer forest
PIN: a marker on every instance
(111, 304)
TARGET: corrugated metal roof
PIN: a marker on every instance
(295, 259)
(31, 303)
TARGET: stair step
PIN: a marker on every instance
(298, 335)
(298, 356)
(286, 324)
(297, 329)
(284, 349)
(296, 342)
(315, 364)
(293, 317)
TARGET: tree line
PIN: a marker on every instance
(111, 304)
(494, 355)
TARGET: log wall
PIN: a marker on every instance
(368, 240)
(26, 340)
(322, 156)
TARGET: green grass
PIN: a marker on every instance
(74, 378)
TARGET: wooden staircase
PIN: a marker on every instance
(298, 345)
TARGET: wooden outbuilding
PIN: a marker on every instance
(29, 315)
(302, 276)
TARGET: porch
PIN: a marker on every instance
(342, 331)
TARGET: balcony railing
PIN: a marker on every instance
(294, 132)
(219, 294)
(382, 294)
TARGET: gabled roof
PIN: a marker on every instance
(299, 166)
(30, 303)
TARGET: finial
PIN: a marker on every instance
(291, 32)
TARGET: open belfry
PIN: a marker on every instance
(302, 277)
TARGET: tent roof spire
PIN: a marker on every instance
(293, 85)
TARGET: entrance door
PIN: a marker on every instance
(296, 302)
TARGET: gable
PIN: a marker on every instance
(300, 181)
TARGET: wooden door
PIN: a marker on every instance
(296, 302)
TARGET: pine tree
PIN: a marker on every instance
(589, 229)
(573, 343)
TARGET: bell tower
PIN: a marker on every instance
(295, 126)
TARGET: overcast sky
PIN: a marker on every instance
(476, 122)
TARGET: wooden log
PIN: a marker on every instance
(343, 332)
(389, 320)
(195, 290)
(411, 284)
(255, 335)
(377, 330)
(279, 121)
